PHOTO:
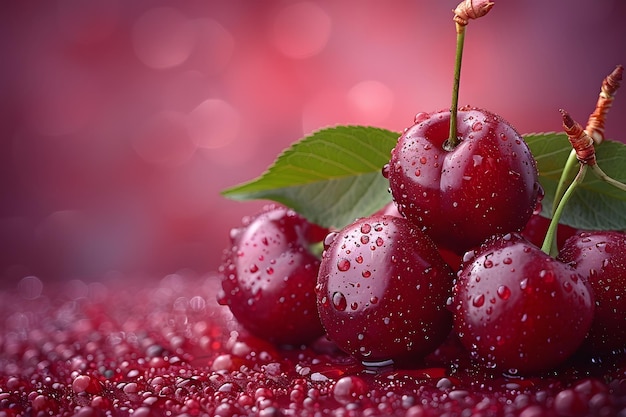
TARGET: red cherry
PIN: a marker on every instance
(601, 257)
(488, 184)
(518, 309)
(270, 276)
(382, 289)
(537, 227)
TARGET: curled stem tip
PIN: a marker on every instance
(610, 85)
(613, 81)
(471, 9)
(581, 142)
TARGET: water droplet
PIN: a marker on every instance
(339, 301)
(329, 239)
(477, 126)
(523, 284)
(269, 270)
(504, 292)
(359, 259)
(365, 239)
(420, 117)
(366, 228)
(385, 171)
(418, 172)
(343, 265)
(254, 268)
(479, 300)
(366, 274)
(379, 241)
(548, 276)
(488, 263)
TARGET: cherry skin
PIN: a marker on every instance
(518, 309)
(601, 256)
(269, 276)
(382, 289)
(488, 184)
(453, 259)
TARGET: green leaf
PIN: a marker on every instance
(331, 177)
(595, 204)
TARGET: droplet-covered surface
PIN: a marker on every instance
(163, 347)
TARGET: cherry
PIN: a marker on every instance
(518, 309)
(601, 256)
(487, 184)
(269, 276)
(382, 289)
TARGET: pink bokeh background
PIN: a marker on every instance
(121, 121)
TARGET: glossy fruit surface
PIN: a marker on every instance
(601, 257)
(382, 289)
(488, 184)
(270, 276)
(518, 309)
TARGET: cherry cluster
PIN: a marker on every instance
(457, 253)
(449, 256)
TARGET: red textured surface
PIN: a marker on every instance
(164, 347)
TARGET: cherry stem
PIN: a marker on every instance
(549, 244)
(600, 174)
(466, 10)
(583, 147)
(594, 128)
(460, 40)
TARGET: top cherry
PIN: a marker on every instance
(487, 184)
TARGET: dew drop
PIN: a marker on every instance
(504, 292)
(477, 126)
(523, 284)
(420, 117)
(385, 171)
(343, 265)
(329, 239)
(379, 241)
(548, 276)
(568, 286)
(339, 301)
(479, 300)
(366, 274)
(359, 259)
(366, 228)
(365, 239)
